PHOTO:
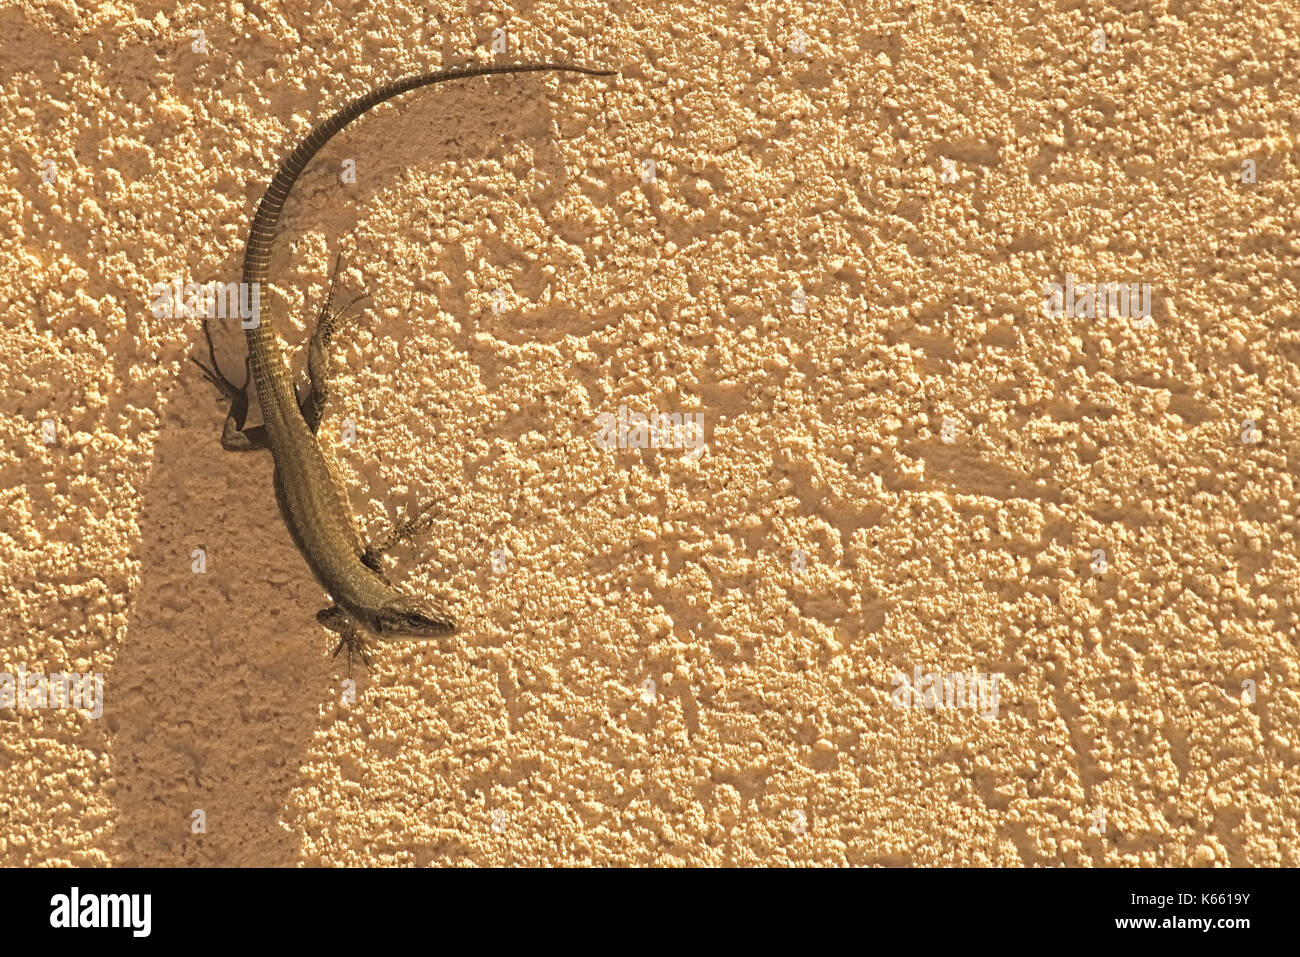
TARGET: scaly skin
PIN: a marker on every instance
(313, 502)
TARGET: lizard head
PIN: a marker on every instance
(413, 620)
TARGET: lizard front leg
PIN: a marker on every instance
(400, 532)
(337, 620)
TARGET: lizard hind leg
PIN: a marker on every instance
(336, 620)
(312, 405)
(234, 436)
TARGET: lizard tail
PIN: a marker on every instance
(257, 253)
(266, 363)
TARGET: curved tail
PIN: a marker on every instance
(263, 347)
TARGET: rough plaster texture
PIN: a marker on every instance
(772, 588)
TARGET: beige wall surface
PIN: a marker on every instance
(716, 652)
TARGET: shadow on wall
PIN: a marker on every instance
(225, 676)
(216, 692)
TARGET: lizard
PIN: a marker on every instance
(310, 496)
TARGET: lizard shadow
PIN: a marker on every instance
(217, 691)
(224, 679)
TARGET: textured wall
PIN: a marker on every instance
(677, 658)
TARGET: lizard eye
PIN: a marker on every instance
(410, 621)
(427, 624)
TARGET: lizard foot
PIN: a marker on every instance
(312, 404)
(234, 436)
(354, 644)
(417, 523)
(213, 373)
(336, 620)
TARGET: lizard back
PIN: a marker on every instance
(311, 499)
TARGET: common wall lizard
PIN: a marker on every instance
(311, 498)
